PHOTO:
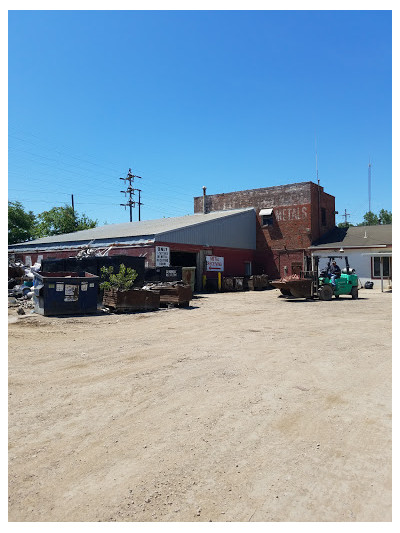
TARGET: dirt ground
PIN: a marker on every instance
(242, 407)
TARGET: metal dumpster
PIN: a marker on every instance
(65, 293)
(131, 300)
(189, 276)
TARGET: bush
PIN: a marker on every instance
(122, 281)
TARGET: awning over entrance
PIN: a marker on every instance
(266, 212)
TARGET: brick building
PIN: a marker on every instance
(289, 219)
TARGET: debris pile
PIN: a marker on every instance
(288, 278)
(89, 251)
(172, 292)
(20, 279)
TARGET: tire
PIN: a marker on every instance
(286, 292)
(325, 293)
(354, 293)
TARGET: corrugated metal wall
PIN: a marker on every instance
(235, 231)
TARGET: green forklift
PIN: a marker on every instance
(317, 284)
(346, 284)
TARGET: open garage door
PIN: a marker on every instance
(188, 261)
(184, 259)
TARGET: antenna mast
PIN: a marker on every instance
(369, 185)
(319, 189)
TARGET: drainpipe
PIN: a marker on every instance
(204, 200)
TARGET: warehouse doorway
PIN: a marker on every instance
(188, 262)
(184, 259)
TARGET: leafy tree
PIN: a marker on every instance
(61, 220)
(345, 225)
(122, 281)
(385, 216)
(21, 224)
(371, 219)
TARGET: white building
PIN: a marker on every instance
(368, 248)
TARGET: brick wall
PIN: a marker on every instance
(296, 221)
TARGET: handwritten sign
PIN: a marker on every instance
(214, 263)
(162, 256)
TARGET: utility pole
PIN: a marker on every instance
(139, 203)
(131, 191)
(346, 214)
(72, 202)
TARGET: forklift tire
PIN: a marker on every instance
(354, 293)
(325, 293)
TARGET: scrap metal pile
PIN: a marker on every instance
(20, 284)
(245, 283)
(171, 292)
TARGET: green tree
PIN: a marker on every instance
(59, 220)
(385, 216)
(21, 224)
(345, 225)
(371, 219)
(122, 281)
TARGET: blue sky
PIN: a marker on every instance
(227, 99)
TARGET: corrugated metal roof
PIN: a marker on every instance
(356, 236)
(190, 229)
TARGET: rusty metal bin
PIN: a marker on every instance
(131, 300)
(189, 276)
(174, 294)
(227, 284)
(65, 293)
(258, 282)
(239, 284)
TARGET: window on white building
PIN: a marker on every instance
(377, 267)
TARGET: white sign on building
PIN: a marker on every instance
(214, 263)
(162, 256)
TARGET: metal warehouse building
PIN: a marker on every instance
(256, 231)
(228, 234)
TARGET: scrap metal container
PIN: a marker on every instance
(93, 264)
(258, 282)
(65, 293)
(131, 300)
(178, 294)
(163, 274)
(189, 276)
(227, 284)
